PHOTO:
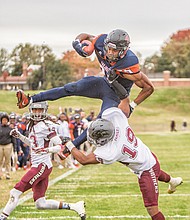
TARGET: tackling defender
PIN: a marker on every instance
(116, 142)
(44, 139)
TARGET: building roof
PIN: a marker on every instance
(13, 79)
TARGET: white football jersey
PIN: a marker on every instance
(125, 146)
(63, 128)
(40, 136)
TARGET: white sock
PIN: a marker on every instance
(42, 203)
(13, 201)
(171, 179)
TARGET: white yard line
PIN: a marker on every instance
(108, 217)
(132, 195)
(52, 182)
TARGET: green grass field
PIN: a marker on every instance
(111, 192)
(154, 114)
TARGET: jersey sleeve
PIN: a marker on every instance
(128, 65)
(55, 141)
(129, 70)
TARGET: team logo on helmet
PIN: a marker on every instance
(100, 132)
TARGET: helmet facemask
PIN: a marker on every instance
(38, 111)
(100, 132)
(118, 40)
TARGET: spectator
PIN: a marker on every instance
(16, 149)
(54, 119)
(63, 131)
(184, 125)
(91, 117)
(83, 119)
(173, 126)
(7, 143)
(76, 126)
(87, 147)
(23, 155)
(12, 119)
(63, 128)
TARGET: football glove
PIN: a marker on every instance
(15, 133)
(132, 106)
(78, 47)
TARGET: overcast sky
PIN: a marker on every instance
(57, 22)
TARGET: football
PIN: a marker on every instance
(88, 49)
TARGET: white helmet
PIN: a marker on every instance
(38, 116)
(100, 132)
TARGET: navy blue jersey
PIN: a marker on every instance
(76, 127)
(129, 64)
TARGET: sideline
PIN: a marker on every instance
(51, 182)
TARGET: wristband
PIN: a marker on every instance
(133, 104)
(31, 101)
(70, 145)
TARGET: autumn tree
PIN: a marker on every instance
(30, 54)
(78, 64)
(23, 53)
(56, 74)
(4, 57)
(174, 55)
(52, 74)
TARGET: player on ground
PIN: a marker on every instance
(115, 141)
(42, 135)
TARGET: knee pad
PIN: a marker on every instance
(40, 203)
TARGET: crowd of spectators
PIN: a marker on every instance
(15, 155)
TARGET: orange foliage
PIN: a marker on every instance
(80, 64)
(181, 35)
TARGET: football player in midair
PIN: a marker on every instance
(121, 68)
(44, 139)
